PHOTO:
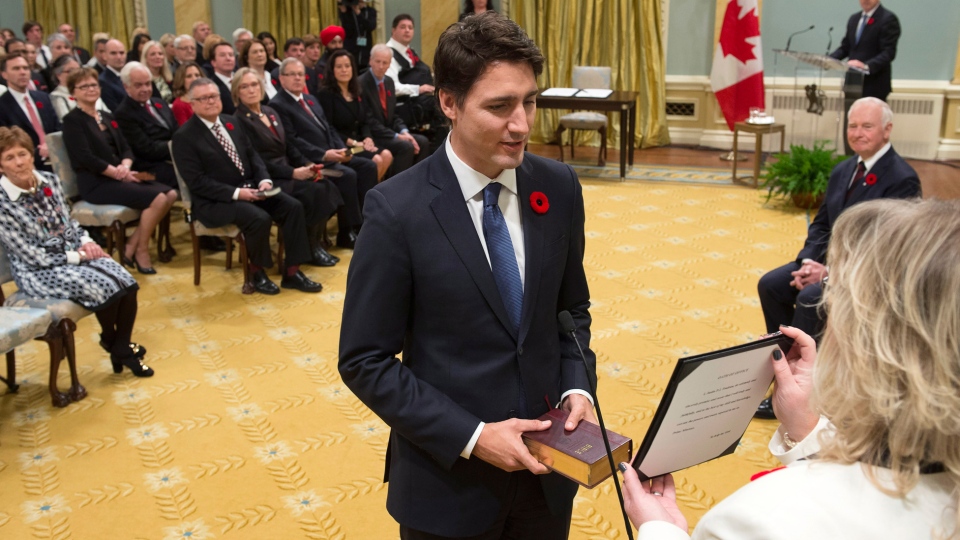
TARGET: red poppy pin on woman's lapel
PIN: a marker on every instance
(47, 191)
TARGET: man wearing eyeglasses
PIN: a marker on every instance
(308, 129)
(229, 183)
(184, 50)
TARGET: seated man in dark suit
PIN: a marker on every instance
(31, 110)
(220, 166)
(147, 124)
(387, 127)
(296, 48)
(223, 60)
(111, 87)
(307, 128)
(871, 43)
(82, 55)
(790, 295)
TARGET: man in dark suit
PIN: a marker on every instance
(296, 48)
(147, 123)
(111, 87)
(99, 61)
(307, 128)
(220, 166)
(446, 270)
(82, 55)
(871, 43)
(790, 295)
(388, 129)
(223, 60)
(30, 110)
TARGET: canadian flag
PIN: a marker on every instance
(737, 74)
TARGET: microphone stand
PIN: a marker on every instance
(569, 327)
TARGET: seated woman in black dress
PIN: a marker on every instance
(102, 158)
(52, 257)
(288, 168)
(348, 114)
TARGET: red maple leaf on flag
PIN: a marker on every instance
(736, 30)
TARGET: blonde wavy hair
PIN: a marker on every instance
(888, 372)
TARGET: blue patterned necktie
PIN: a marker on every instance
(863, 23)
(503, 259)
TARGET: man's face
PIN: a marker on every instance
(242, 40)
(403, 33)
(292, 78)
(335, 43)
(205, 101)
(294, 51)
(140, 88)
(313, 53)
(30, 51)
(20, 47)
(35, 35)
(492, 127)
(17, 74)
(187, 50)
(100, 53)
(201, 33)
(68, 31)
(866, 132)
(116, 54)
(58, 49)
(223, 60)
(867, 5)
(379, 62)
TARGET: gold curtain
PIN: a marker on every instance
(623, 34)
(116, 17)
(289, 18)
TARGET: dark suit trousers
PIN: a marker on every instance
(319, 199)
(782, 303)
(525, 516)
(403, 156)
(255, 219)
(359, 176)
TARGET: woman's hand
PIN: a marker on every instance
(655, 500)
(368, 145)
(794, 385)
(92, 250)
(303, 173)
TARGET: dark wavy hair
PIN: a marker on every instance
(330, 81)
(276, 46)
(467, 47)
(468, 6)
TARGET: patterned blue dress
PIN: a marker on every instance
(36, 231)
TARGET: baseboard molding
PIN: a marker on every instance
(949, 149)
(685, 136)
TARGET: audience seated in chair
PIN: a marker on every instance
(32, 111)
(110, 82)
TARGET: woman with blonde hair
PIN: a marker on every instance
(879, 405)
(155, 59)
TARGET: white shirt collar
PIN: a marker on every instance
(14, 191)
(115, 72)
(294, 96)
(210, 124)
(472, 181)
(19, 95)
(226, 80)
(400, 47)
(872, 11)
(875, 158)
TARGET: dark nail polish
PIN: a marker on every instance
(622, 467)
(777, 355)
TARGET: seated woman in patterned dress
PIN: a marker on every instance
(102, 158)
(52, 257)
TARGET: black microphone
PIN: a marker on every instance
(567, 326)
(830, 42)
(796, 34)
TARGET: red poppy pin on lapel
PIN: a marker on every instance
(870, 180)
(539, 202)
(229, 126)
(39, 104)
(113, 124)
(389, 92)
(870, 21)
(47, 191)
(157, 105)
(310, 103)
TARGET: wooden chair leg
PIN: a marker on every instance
(573, 143)
(602, 155)
(281, 267)
(560, 130)
(55, 342)
(120, 236)
(164, 249)
(247, 281)
(229, 242)
(67, 327)
(108, 234)
(11, 379)
(196, 255)
(325, 242)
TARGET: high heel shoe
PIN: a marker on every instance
(133, 364)
(138, 350)
(133, 263)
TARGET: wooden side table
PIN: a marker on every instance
(759, 130)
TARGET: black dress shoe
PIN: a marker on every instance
(765, 410)
(300, 282)
(263, 285)
(322, 258)
(212, 243)
(347, 240)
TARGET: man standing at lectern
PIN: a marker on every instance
(871, 43)
(463, 263)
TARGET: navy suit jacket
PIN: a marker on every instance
(387, 123)
(226, 98)
(877, 49)
(12, 115)
(895, 179)
(419, 283)
(111, 89)
(310, 138)
(147, 137)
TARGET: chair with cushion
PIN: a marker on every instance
(586, 77)
(112, 217)
(50, 319)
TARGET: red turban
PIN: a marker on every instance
(330, 32)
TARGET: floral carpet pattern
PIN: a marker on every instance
(246, 430)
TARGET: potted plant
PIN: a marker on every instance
(802, 174)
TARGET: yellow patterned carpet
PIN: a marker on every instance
(247, 432)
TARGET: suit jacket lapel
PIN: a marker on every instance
(533, 245)
(879, 170)
(451, 212)
(12, 105)
(837, 202)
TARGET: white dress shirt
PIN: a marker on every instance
(394, 71)
(226, 80)
(472, 184)
(236, 192)
(869, 163)
(14, 192)
(270, 89)
(19, 96)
